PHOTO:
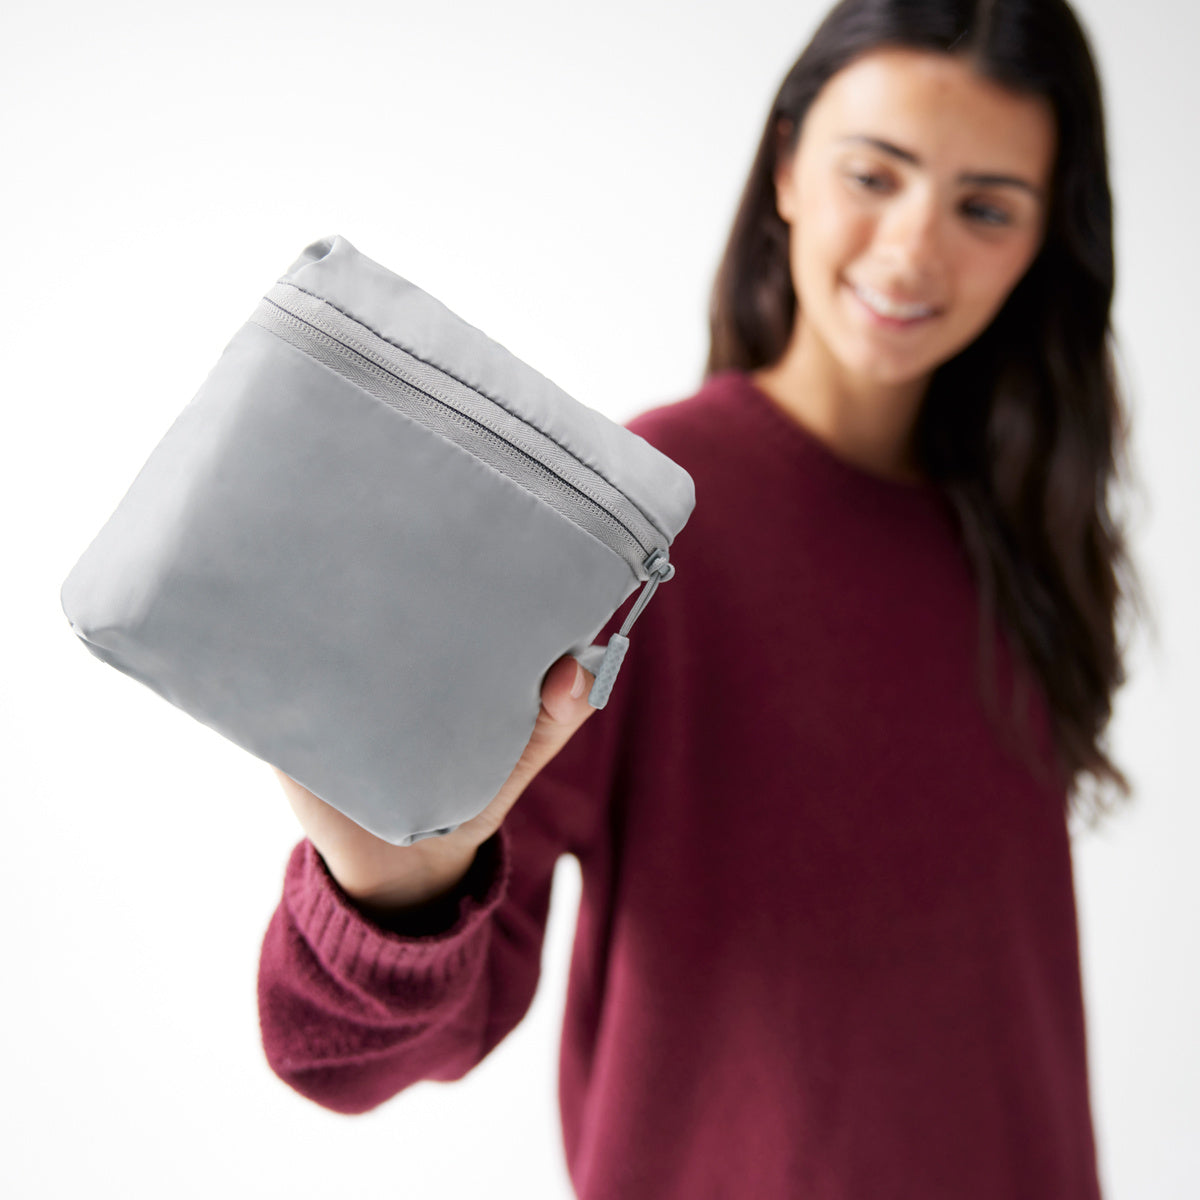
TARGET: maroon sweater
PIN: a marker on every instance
(826, 946)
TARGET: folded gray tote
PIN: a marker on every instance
(359, 548)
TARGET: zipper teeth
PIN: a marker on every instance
(528, 461)
(385, 357)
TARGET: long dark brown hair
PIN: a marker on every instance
(1024, 431)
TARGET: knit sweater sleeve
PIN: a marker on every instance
(352, 1012)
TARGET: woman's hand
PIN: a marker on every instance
(384, 878)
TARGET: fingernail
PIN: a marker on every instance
(579, 684)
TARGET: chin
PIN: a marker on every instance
(891, 376)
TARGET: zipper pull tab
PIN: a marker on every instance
(614, 653)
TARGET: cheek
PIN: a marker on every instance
(833, 233)
(987, 278)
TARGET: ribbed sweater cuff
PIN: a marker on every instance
(353, 947)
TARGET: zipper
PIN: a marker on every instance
(485, 429)
(478, 424)
(659, 570)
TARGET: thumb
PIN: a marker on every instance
(565, 691)
(559, 717)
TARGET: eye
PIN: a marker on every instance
(988, 214)
(866, 180)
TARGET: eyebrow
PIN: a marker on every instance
(979, 178)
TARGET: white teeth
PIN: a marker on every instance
(886, 307)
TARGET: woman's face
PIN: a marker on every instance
(918, 199)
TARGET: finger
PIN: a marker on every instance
(558, 702)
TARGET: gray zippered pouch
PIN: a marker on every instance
(359, 548)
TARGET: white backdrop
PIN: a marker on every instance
(562, 176)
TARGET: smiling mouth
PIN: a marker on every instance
(889, 311)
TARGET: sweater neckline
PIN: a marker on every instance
(840, 469)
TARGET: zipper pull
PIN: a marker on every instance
(614, 653)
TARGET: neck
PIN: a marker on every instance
(863, 422)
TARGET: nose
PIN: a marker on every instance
(912, 236)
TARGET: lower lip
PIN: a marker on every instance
(888, 322)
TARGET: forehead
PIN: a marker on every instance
(937, 107)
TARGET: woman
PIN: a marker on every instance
(827, 942)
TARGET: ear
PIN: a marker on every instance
(782, 174)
